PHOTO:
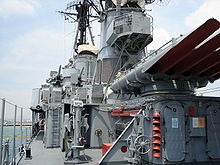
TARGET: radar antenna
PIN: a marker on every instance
(158, 2)
(149, 2)
(163, 2)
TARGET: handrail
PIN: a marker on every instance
(6, 152)
(13, 103)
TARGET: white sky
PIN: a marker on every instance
(35, 39)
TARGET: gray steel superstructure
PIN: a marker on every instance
(135, 106)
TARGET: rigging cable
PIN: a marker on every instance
(115, 67)
(209, 89)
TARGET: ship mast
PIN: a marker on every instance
(80, 12)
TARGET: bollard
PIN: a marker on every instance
(28, 153)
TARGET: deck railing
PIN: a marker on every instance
(10, 147)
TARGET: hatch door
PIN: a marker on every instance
(174, 132)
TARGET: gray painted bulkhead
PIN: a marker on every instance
(182, 141)
(100, 120)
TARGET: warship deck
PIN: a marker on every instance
(54, 156)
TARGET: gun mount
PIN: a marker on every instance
(139, 107)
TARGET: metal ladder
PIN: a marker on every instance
(55, 128)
